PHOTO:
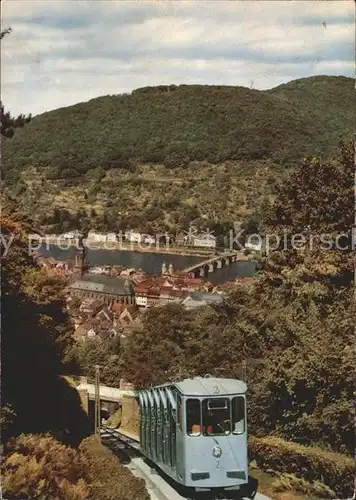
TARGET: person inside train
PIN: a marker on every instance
(193, 417)
(195, 431)
(216, 422)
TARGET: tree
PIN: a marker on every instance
(294, 326)
(8, 122)
(173, 343)
(36, 340)
(40, 467)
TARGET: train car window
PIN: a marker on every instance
(193, 417)
(180, 411)
(238, 415)
(216, 417)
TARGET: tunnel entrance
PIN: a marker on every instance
(107, 408)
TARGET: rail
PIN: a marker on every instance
(159, 486)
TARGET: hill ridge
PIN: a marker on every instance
(109, 138)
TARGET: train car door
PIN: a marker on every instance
(158, 426)
(172, 415)
(146, 423)
(165, 430)
(180, 466)
(142, 422)
(152, 425)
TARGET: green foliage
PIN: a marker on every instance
(318, 199)
(36, 343)
(104, 354)
(150, 199)
(106, 478)
(171, 345)
(294, 326)
(38, 466)
(99, 147)
(214, 123)
(290, 482)
(41, 467)
(312, 464)
(8, 122)
(115, 420)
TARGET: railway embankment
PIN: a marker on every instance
(282, 466)
(310, 470)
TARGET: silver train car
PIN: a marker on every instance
(195, 431)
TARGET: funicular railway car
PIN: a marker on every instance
(195, 431)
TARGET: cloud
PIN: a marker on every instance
(64, 52)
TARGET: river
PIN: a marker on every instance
(150, 263)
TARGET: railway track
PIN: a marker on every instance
(160, 486)
(128, 451)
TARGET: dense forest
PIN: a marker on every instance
(175, 125)
(173, 155)
(293, 327)
(163, 157)
(45, 451)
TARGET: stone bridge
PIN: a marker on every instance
(202, 269)
(110, 398)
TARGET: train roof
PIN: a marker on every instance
(209, 386)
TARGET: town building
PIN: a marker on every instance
(199, 299)
(108, 322)
(169, 295)
(107, 289)
(71, 235)
(204, 241)
(94, 236)
(100, 270)
(167, 289)
(133, 237)
(136, 237)
(254, 242)
(192, 239)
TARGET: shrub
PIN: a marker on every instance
(106, 478)
(289, 482)
(130, 415)
(115, 419)
(313, 464)
(38, 466)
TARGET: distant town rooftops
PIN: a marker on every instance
(206, 296)
(103, 284)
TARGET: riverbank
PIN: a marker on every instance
(150, 262)
(134, 247)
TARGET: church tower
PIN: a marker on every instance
(164, 269)
(80, 265)
(129, 291)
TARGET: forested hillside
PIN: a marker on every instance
(294, 326)
(172, 148)
(42, 420)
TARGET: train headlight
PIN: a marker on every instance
(217, 452)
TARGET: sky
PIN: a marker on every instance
(63, 52)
